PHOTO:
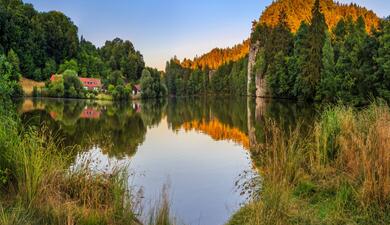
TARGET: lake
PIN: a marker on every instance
(197, 148)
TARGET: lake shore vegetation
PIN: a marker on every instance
(335, 172)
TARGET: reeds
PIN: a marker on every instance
(160, 214)
(39, 188)
(337, 172)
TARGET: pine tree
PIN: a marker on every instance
(383, 60)
(329, 83)
(311, 71)
(297, 62)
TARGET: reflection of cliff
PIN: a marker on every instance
(218, 131)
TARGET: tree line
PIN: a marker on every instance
(229, 78)
(345, 64)
(40, 44)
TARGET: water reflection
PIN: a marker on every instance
(202, 145)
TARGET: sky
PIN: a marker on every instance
(161, 29)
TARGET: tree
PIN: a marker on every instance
(72, 85)
(9, 81)
(49, 69)
(329, 85)
(383, 60)
(147, 85)
(14, 60)
(115, 78)
(69, 65)
(311, 68)
(122, 56)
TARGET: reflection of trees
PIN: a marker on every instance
(153, 111)
(120, 129)
(118, 132)
(229, 111)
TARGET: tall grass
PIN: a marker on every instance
(39, 188)
(160, 214)
(337, 172)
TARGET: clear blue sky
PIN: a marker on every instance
(161, 29)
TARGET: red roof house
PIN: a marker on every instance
(91, 83)
(55, 77)
(88, 83)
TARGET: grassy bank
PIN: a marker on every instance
(337, 172)
(40, 185)
(37, 186)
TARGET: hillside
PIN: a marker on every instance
(300, 10)
(217, 57)
(297, 11)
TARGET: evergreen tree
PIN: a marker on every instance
(330, 83)
(311, 71)
(299, 58)
(277, 78)
(383, 60)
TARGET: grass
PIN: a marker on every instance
(40, 185)
(28, 85)
(104, 97)
(161, 213)
(39, 188)
(337, 172)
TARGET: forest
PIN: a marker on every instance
(39, 44)
(330, 52)
(345, 63)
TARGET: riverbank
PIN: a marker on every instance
(28, 87)
(39, 183)
(335, 172)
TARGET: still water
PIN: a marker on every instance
(197, 147)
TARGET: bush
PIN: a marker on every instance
(56, 89)
(72, 84)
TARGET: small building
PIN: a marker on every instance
(54, 78)
(137, 89)
(92, 84)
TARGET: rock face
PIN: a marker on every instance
(261, 88)
(253, 49)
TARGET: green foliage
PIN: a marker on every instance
(121, 56)
(311, 68)
(151, 85)
(69, 65)
(277, 76)
(49, 69)
(35, 37)
(56, 88)
(383, 61)
(116, 78)
(9, 80)
(72, 84)
(230, 78)
(90, 62)
(346, 65)
(14, 60)
(329, 85)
